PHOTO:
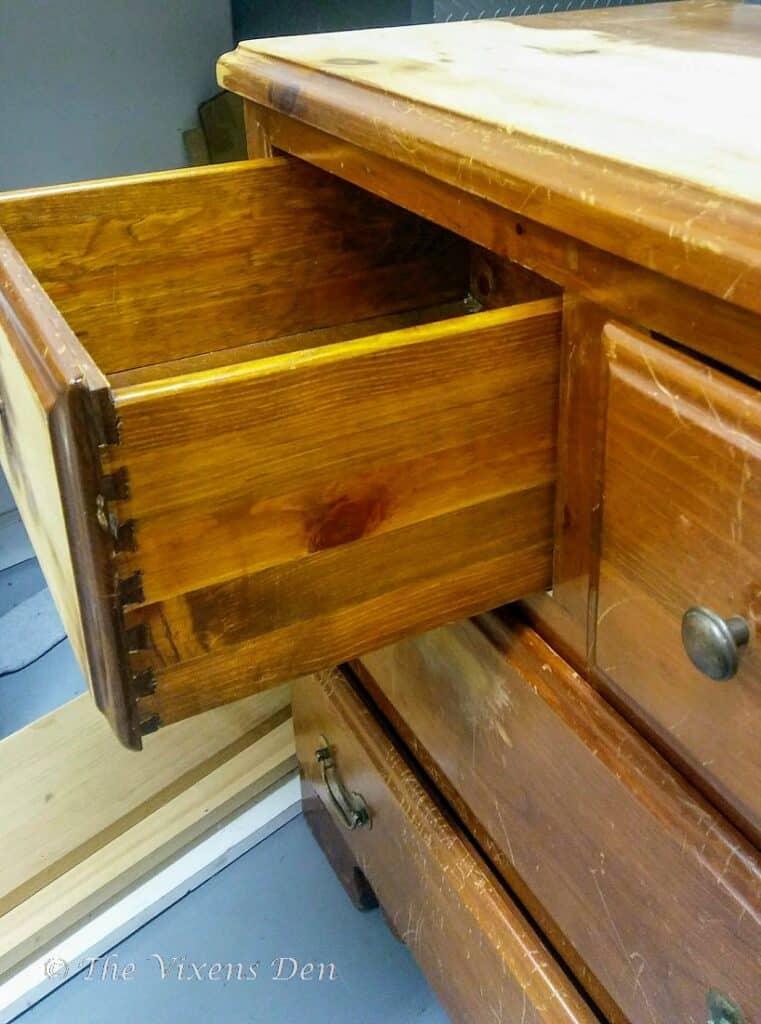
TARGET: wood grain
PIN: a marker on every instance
(153, 267)
(520, 112)
(314, 338)
(55, 414)
(440, 897)
(648, 894)
(303, 507)
(61, 807)
(681, 526)
(633, 292)
(161, 833)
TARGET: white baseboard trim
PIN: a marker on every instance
(149, 898)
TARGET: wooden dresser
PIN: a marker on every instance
(477, 327)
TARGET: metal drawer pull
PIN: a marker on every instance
(712, 643)
(350, 807)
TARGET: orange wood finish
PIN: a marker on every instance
(154, 267)
(681, 526)
(520, 112)
(425, 456)
(482, 957)
(710, 325)
(646, 892)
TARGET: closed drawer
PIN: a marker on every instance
(681, 527)
(651, 898)
(481, 956)
(255, 426)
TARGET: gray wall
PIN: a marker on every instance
(93, 88)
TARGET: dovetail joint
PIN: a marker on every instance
(125, 538)
(138, 638)
(144, 683)
(149, 725)
(115, 486)
(131, 589)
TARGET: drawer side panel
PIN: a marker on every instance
(297, 511)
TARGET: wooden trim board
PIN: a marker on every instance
(145, 901)
(87, 819)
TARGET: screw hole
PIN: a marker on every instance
(519, 229)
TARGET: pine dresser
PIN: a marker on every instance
(446, 404)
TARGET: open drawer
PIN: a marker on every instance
(256, 426)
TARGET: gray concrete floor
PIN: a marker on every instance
(279, 900)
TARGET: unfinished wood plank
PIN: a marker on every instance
(150, 840)
(61, 807)
(160, 266)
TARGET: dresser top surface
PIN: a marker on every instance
(670, 88)
(633, 128)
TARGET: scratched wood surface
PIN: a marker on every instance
(646, 891)
(627, 127)
(304, 507)
(638, 294)
(681, 526)
(479, 952)
(154, 267)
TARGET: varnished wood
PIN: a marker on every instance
(424, 456)
(633, 292)
(521, 112)
(314, 338)
(258, 144)
(681, 526)
(55, 414)
(179, 263)
(480, 954)
(578, 430)
(644, 889)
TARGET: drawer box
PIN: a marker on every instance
(681, 527)
(645, 891)
(255, 425)
(481, 956)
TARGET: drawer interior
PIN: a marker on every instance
(336, 421)
(163, 274)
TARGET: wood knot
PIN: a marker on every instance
(346, 519)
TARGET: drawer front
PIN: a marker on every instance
(681, 527)
(481, 956)
(649, 896)
(54, 416)
(303, 447)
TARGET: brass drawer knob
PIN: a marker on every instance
(350, 807)
(712, 643)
